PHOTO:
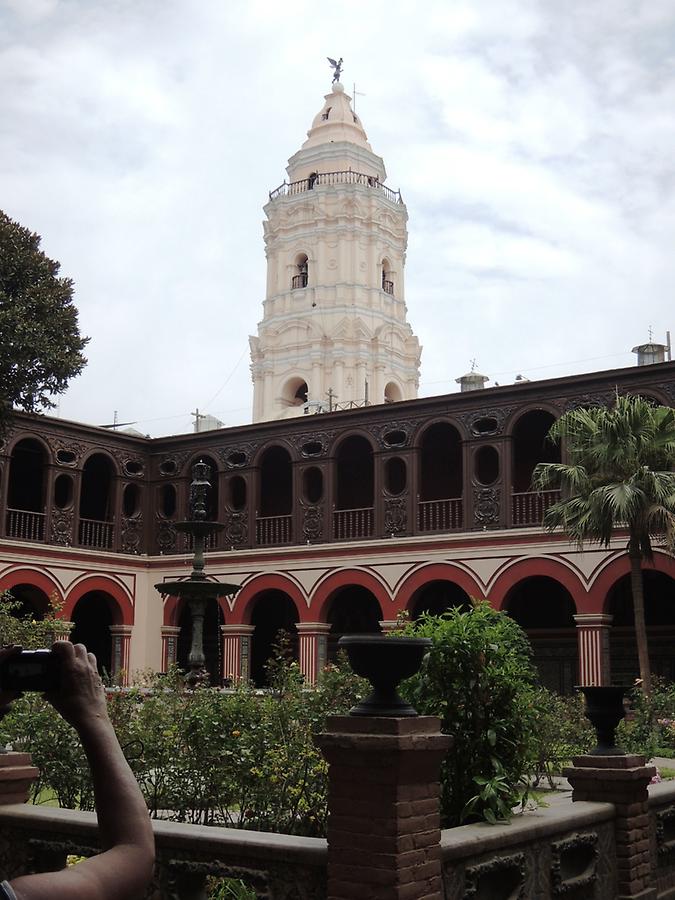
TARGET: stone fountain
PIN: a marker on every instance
(196, 590)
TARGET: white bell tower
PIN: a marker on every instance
(334, 331)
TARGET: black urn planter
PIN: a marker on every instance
(604, 708)
(385, 662)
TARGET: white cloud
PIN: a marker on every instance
(532, 142)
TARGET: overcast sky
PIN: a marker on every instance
(533, 143)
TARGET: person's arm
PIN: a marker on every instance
(124, 869)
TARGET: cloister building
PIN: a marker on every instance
(347, 500)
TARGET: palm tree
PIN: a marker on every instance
(618, 475)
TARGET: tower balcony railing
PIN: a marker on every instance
(388, 286)
(334, 178)
(299, 281)
(270, 530)
(440, 515)
(25, 525)
(352, 524)
(95, 533)
(528, 507)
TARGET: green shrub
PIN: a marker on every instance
(242, 759)
(562, 731)
(478, 678)
(28, 632)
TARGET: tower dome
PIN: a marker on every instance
(334, 332)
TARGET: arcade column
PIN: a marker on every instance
(169, 646)
(121, 641)
(313, 648)
(237, 651)
(593, 638)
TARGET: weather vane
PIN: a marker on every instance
(336, 66)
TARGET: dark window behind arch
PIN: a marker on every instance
(355, 488)
(96, 490)
(26, 489)
(276, 483)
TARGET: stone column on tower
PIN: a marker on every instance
(335, 241)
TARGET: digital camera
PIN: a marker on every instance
(30, 670)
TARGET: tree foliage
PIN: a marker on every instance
(618, 474)
(39, 334)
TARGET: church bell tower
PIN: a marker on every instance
(334, 332)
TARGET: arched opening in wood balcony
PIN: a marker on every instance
(353, 515)
(440, 479)
(97, 503)
(273, 524)
(26, 491)
(531, 446)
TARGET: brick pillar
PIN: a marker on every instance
(621, 780)
(120, 636)
(313, 648)
(237, 651)
(593, 638)
(170, 635)
(16, 776)
(383, 807)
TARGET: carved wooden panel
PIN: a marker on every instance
(396, 515)
(486, 506)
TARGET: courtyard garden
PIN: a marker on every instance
(246, 758)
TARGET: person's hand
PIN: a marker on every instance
(6, 697)
(79, 697)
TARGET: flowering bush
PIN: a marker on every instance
(242, 759)
(28, 632)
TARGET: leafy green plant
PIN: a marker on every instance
(240, 758)
(230, 889)
(27, 631)
(495, 799)
(479, 679)
(562, 731)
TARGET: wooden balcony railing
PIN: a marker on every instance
(93, 533)
(273, 530)
(528, 508)
(333, 178)
(440, 515)
(25, 525)
(39, 838)
(351, 524)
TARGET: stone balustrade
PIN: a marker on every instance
(276, 866)
(566, 849)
